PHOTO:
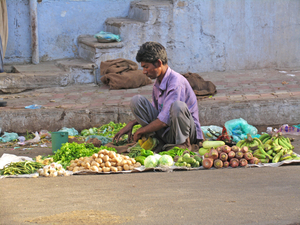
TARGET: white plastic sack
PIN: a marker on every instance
(9, 158)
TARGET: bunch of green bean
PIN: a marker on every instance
(176, 151)
(23, 167)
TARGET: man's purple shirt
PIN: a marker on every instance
(175, 87)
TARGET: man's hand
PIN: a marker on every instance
(137, 135)
(125, 130)
(199, 142)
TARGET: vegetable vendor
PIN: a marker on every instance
(173, 114)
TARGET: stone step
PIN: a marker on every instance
(70, 64)
(81, 71)
(18, 82)
(48, 74)
(91, 50)
(117, 24)
(149, 10)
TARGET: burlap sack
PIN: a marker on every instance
(199, 85)
(122, 74)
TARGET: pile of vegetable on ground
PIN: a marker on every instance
(81, 157)
(265, 149)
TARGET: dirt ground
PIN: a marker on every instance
(224, 196)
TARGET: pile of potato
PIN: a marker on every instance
(104, 161)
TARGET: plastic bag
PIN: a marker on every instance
(21, 140)
(7, 137)
(36, 139)
(211, 132)
(104, 140)
(71, 131)
(297, 126)
(239, 128)
(35, 106)
(286, 129)
(107, 37)
(45, 134)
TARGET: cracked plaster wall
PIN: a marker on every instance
(60, 22)
(219, 35)
(200, 35)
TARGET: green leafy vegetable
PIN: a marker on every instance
(108, 130)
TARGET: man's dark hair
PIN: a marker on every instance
(150, 52)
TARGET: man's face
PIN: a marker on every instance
(151, 70)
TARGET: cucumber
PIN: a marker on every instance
(202, 151)
(212, 144)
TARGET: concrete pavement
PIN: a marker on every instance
(266, 196)
(262, 97)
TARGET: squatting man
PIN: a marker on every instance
(173, 114)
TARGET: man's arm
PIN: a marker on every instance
(151, 127)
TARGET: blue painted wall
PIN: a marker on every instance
(200, 35)
(60, 22)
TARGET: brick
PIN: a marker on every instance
(236, 97)
(116, 92)
(129, 95)
(114, 97)
(246, 82)
(88, 93)
(267, 95)
(234, 93)
(42, 99)
(104, 87)
(296, 93)
(275, 81)
(127, 99)
(125, 103)
(252, 97)
(283, 94)
(96, 104)
(57, 96)
(51, 104)
(146, 92)
(67, 106)
(80, 106)
(117, 101)
(265, 87)
(234, 76)
(134, 90)
(219, 83)
(249, 90)
(233, 85)
(222, 91)
(221, 98)
(293, 86)
(72, 97)
(219, 94)
(99, 100)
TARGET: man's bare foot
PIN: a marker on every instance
(186, 144)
